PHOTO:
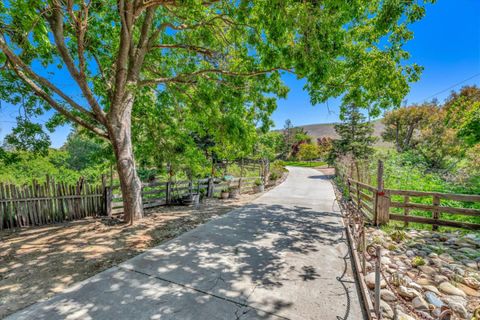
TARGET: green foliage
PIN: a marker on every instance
(398, 235)
(308, 151)
(306, 164)
(28, 136)
(418, 261)
(355, 133)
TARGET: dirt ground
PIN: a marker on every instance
(37, 263)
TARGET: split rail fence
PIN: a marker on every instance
(380, 205)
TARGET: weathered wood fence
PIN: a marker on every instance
(49, 202)
(380, 205)
(52, 202)
(160, 193)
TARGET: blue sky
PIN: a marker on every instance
(446, 43)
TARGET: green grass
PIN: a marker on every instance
(307, 164)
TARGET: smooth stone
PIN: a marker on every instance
(428, 270)
(440, 278)
(432, 298)
(403, 316)
(431, 288)
(446, 257)
(410, 253)
(433, 255)
(469, 291)
(420, 304)
(408, 293)
(386, 310)
(415, 286)
(448, 288)
(387, 295)
(472, 282)
(424, 282)
(457, 304)
(370, 280)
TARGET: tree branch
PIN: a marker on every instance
(45, 96)
(183, 78)
(56, 23)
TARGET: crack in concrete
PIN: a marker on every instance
(240, 305)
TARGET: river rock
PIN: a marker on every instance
(427, 270)
(472, 283)
(469, 291)
(370, 281)
(448, 288)
(420, 304)
(446, 257)
(457, 304)
(403, 316)
(432, 298)
(440, 278)
(387, 295)
(386, 310)
(431, 288)
(408, 293)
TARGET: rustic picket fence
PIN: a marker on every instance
(158, 193)
(38, 204)
(380, 205)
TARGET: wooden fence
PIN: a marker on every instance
(380, 205)
(50, 202)
(161, 193)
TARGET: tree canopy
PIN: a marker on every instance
(103, 65)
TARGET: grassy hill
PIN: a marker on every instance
(327, 130)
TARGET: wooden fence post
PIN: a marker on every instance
(377, 281)
(168, 192)
(435, 212)
(382, 202)
(210, 187)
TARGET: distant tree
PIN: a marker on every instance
(325, 146)
(85, 151)
(288, 138)
(355, 133)
(439, 144)
(403, 125)
(308, 151)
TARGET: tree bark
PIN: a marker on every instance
(121, 139)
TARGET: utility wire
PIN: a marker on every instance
(451, 87)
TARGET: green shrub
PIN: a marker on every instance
(418, 261)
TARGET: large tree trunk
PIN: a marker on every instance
(121, 138)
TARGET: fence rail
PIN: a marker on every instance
(379, 204)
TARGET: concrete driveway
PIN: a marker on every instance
(284, 256)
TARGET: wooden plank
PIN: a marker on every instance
(362, 185)
(3, 209)
(428, 207)
(446, 196)
(406, 211)
(445, 223)
(435, 212)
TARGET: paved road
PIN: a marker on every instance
(283, 256)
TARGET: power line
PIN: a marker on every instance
(451, 87)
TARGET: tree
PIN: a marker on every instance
(402, 125)
(308, 151)
(120, 54)
(325, 146)
(463, 114)
(355, 134)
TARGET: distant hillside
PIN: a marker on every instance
(327, 130)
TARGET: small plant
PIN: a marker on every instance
(258, 182)
(274, 176)
(418, 261)
(225, 190)
(392, 247)
(377, 240)
(398, 236)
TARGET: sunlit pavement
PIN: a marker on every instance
(284, 256)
